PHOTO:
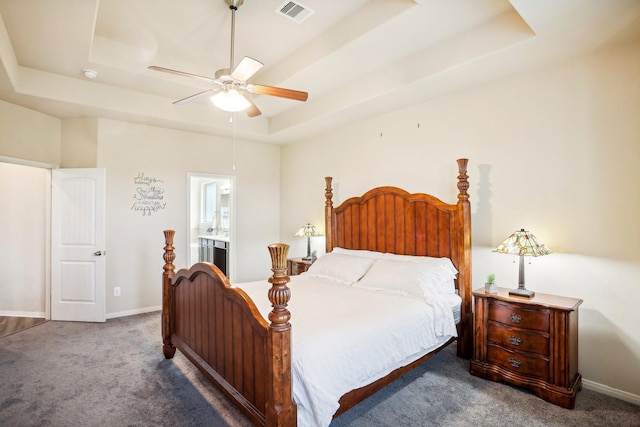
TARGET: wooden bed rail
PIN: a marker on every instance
(221, 331)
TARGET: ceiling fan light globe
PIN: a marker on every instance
(230, 100)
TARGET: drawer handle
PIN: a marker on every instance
(515, 340)
(515, 362)
(516, 318)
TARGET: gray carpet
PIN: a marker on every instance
(87, 374)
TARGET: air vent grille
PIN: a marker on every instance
(295, 11)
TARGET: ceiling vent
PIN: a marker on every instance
(294, 11)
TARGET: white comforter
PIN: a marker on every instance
(344, 337)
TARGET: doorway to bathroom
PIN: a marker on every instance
(211, 220)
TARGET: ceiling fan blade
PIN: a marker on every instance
(246, 68)
(192, 97)
(182, 73)
(252, 110)
(278, 91)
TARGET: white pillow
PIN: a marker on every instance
(340, 267)
(443, 274)
(358, 252)
(418, 279)
(401, 277)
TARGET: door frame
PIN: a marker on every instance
(232, 220)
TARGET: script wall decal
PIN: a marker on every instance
(148, 196)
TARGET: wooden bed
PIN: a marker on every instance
(220, 330)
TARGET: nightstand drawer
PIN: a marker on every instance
(531, 342)
(520, 363)
(515, 315)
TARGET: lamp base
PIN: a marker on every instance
(522, 292)
(307, 258)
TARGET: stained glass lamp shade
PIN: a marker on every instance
(522, 243)
(308, 231)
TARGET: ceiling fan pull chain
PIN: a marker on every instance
(233, 8)
(233, 119)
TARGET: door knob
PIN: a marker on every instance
(98, 253)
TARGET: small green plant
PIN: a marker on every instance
(491, 279)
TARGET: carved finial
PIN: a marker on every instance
(279, 294)
(463, 184)
(169, 256)
(328, 191)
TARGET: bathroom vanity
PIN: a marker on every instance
(215, 250)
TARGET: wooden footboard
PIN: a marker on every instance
(220, 330)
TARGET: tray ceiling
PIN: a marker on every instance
(356, 59)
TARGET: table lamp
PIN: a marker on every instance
(308, 231)
(522, 243)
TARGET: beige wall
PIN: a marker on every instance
(27, 134)
(27, 139)
(555, 151)
(135, 241)
(79, 143)
(24, 192)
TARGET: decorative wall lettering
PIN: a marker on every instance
(148, 196)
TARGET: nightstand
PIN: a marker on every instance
(528, 342)
(296, 266)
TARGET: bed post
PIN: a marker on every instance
(465, 340)
(280, 409)
(328, 214)
(167, 295)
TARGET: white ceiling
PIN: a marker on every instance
(356, 58)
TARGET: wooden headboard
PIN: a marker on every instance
(389, 219)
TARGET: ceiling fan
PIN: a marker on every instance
(231, 91)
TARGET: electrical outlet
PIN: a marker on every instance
(116, 291)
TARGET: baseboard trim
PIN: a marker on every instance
(23, 314)
(610, 391)
(133, 312)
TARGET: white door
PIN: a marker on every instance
(78, 245)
